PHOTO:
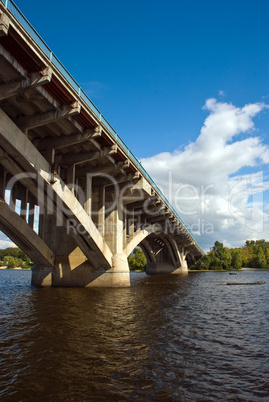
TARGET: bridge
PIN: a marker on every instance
(72, 195)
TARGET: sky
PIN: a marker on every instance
(185, 84)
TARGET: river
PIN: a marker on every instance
(166, 338)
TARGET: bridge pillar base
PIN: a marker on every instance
(112, 279)
(183, 269)
(74, 270)
(180, 270)
(117, 276)
(41, 276)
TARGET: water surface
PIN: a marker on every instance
(168, 337)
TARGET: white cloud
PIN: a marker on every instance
(6, 243)
(202, 181)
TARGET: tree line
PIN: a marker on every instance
(13, 257)
(254, 254)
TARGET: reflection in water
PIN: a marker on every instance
(168, 337)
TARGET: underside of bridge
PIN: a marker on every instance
(72, 196)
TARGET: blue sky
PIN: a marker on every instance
(151, 67)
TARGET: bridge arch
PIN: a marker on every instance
(161, 250)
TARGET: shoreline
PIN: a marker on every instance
(229, 270)
(15, 269)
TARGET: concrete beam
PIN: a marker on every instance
(16, 228)
(83, 157)
(144, 185)
(10, 60)
(156, 218)
(62, 141)
(28, 122)
(96, 170)
(10, 89)
(95, 143)
(68, 140)
(3, 177)
(70, 159)
(146, 203)
(121, 179)
(4, 24)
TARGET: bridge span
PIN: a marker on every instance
(72, 195)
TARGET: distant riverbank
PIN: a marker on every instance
(230, 270)
(16, 268)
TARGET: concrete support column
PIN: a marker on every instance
(131, 223)
(31, 211)
(110, 221)
(13, 196)
(119, 274)
(95, 205)
(88, 195)
(71, 266)
(50, 155)
(41, 229)
(183, 262)
(114, 229)
(138, 222)
(3, 177)
(24, 201)
(41, 276)
(71, 177)
(120, 266)
(184, 265)
(101, 210)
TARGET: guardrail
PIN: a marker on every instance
(11, 6)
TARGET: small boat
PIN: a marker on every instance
(232, 273)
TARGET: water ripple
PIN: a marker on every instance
(167, 338)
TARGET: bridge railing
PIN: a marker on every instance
(11, 6)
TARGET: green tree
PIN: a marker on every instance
(9, 261)
(237, 258)
(221, 256)
(267, 256)
(137, 260)
(258, 260)
(215, 261)
(227, 261)
(249, 243)
(204, 262)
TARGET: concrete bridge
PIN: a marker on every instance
(72, 195)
